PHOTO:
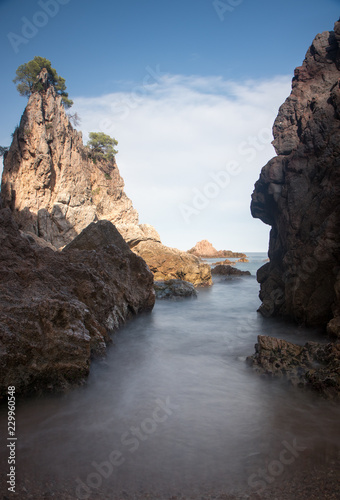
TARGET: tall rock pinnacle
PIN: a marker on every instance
(298, 194)
(55, 190)
(51, 185)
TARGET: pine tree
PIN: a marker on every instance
(27, 79)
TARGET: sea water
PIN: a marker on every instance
(175, 408)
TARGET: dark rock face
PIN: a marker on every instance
(225, 270)
(312, 366)
(298, 194)
(57, 309)
(174, 289)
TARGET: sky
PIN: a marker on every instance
(189, 88)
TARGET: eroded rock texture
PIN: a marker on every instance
(312, 366)
(166, 263)
(57, 309)
(298, 194)
(174, 289)
(55, 190)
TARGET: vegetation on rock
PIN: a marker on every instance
(28, 81)
(102, 146)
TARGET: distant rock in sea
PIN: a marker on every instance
(225, 270)
(204, 249)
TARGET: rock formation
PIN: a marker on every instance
(57, 309)
(298, 194)
(174, 289)
(55, 190)
(314, 366)
(225, 270)
(51, 185)
(204, 249)
(165, 263)
(225, 262)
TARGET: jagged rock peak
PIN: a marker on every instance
(206, 250)
(55, 190)
(298, 194)
(49, 182)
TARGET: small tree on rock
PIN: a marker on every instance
(28, 79)
(102, 146)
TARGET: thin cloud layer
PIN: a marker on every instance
(190, 151)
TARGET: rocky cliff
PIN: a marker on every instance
(57, 309)
(205, 249)
(298, 194)
(55, 190)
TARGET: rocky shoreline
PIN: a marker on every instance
(298, 195)
(59, 309)
(313, 366)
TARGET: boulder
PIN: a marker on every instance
(243, 260)
(313, 366)
(133, 234)
(225, 262)
(58, 309)
(174, 289)
(224, 270)
(169, 263)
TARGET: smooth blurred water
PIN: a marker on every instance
(174, 405)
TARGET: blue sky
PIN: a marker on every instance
(189, 88)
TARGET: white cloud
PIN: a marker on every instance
(174, 135)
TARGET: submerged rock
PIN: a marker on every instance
(225, 270)
(57, 309)
(225, 262)
(298, 194)
(314, 366)
(174, 289)
(243, 260)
